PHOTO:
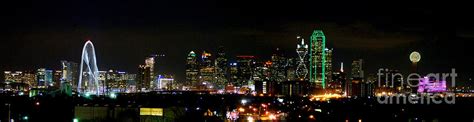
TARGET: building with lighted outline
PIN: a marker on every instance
(320, 60)
(302, 51)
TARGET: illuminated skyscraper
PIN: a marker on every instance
(245, 66)
(278, 67)
(338, 82)
(88, 77)
(150, 63)
(302, 50)
(320, 60)
(70, 73)
(207, 71)
(44, 77)
(357, 71)
(328, 65)
(102, 83)
(57, 78)
(192, 69)
(143, 78)
(357, 79)
(116, 81)
(261, 76)
(146, 74)
(221, 68)
(290, 67)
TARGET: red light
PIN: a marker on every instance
(245, 56)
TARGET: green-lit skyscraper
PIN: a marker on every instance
(320, 65)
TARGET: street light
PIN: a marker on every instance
(75, 120)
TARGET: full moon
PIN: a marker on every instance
(415, 57)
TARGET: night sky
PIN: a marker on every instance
(40, 34)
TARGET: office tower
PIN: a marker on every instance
(116, 81)
(337, 85)
(57, 78)
(245, 66)
(369, 85)
(131, 82)
(290, 69)
(278, 69)
(302, 51)
(192, 69)
(143, 78)
(234, 73)
(150, 63)
(206, 60)
(261, 77)
(317, 53)
(89, 72)
(70, 74)
(206, 72)
(357, 71)
(357, 79)
(221, 68)
(102, 81)
(44, 77)
(328, 65)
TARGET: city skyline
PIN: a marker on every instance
(384, 41)
(167, 61)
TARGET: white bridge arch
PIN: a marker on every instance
(88, 73)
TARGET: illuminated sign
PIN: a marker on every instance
(151, 111)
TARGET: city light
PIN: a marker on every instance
(113, 95)
(250, 119)
(211, 62)
(241, 109)
(243, 101)
(272, 117)
(87, 95)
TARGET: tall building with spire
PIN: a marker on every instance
(320, 60)
(302, 51)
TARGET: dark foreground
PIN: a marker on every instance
(206, 107)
